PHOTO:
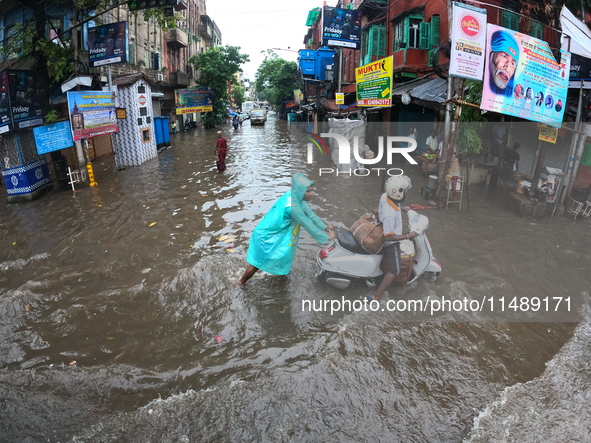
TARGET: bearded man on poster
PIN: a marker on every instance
(502, 63)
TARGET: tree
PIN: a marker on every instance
(472, 121)
(276, 79)
(216, 69)
(238, 95)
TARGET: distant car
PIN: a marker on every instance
(244, 116)
(258, 117)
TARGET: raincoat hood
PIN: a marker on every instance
(299, 185)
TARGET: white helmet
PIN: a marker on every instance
(397, 186)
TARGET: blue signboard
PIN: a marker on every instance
(53, 137)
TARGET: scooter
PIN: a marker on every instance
(344, 262)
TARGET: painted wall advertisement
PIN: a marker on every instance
(468, 41)
(53, 137)
(107, 44)
(196, 99)
(92, 113)
(522, 77)
(374, 83)
(341, 27)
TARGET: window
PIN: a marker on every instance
(412, 32)
(399, 42)
(510, 20)
(132, 57)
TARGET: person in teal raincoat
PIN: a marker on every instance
(274, 241)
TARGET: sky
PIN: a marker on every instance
(259, 25)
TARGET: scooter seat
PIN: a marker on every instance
(347, 241)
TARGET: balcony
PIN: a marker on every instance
(179, 79)
(206, 29)
(181, 4)
(177, 38)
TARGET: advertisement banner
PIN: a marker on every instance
(92, 113)
(548, 134)
(374, 83)
(107, 44)
(53, 137)
(341, 27)
(468, 42)
(196, 99)
(24, 99)
(523, 79)
(580, 68)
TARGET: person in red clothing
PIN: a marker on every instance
(220, 152)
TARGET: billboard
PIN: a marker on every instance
(107, 44)
(24, 99)
(374, 83)
(522, 77)
(92, 113)
(580, 68)
(468, 40)
(53, 137)
(195, 99)
(341, 27)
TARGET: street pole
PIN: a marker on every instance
(447, 128)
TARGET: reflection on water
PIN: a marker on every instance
(120, 320)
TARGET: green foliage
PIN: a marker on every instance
(51, 117)
(471, 121)
(216, 69)
(276, 79)
(238, 95)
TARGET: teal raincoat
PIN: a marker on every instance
(275, 239)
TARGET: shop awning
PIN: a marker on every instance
(580, 36)
(428, 91)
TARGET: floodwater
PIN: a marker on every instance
(120, 320)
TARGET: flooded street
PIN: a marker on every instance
(120, 319)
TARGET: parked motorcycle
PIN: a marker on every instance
(344, 262)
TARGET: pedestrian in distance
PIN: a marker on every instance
(235, 122)
(220, 152)
(510, 166)
(274, 241)
(173, 127)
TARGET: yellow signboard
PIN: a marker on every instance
(340, 98)
(374, 83)
(548, 134)
(194, 109)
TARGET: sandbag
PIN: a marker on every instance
(369, 233)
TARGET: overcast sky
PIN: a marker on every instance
(262, 24)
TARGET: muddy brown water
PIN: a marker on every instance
(166, 348)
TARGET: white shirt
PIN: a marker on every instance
(432, 142)
(390, 217)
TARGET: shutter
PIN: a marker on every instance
(364, 47)
(372, 43)
(406, 37)
(510, 20)
(424, 35)
(155, 60)
(380, 41)
(435, 36)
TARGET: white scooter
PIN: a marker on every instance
(344, 262)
